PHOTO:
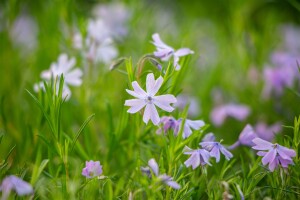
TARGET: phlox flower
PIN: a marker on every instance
(245, 137)
(165, 52)
(168, 123)
(92, 169)
(273, 154)
(220, 113)
(14, 183)
(188, 126)
(63, 66)
(168, 180)
(149, 100)
(198, 157)
(184, 100)
(267, 132)
(214, 149)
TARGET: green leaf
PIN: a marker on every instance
(80, 130)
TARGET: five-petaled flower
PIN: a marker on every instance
(214, 149)
(165, 52)
(188, 126)
(64, 67)
(168, 180)
(273, 154)
(198, 157)
(15, 183)
(149, 100)
(92, 169)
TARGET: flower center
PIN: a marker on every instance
(149, 99)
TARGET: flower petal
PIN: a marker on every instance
(154, 166)
(154, 114)
(136, 105)
(269, 157)
(183, 52)
(138, 89)
(261, 144)
(173, 184)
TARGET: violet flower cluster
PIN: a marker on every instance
(211, 148)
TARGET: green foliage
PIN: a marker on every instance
(46, 140)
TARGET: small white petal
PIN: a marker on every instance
(136, 105)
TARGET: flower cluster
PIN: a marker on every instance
(211, 148)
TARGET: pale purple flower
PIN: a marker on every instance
(165, 52)
(209, 137)
(63, 66)
(273, 154)
(184, 100)
(266, 132)
(115, 16)
(220, 113)
(188, 126)
(15, 183)
(23, 33)
(245, 138)
(149, 100)
(168, 180)
(198, 157)
(214, 149)
(92, 169)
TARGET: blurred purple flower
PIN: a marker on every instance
(266, 132)
(165, 52)
(115, 16)
(149, 100)
(209, 137)
(245, 138)
(63, 66)
(198, 157)
(188, 126)
(273, 154)
(184, 100)
(168, 180)
(214, 149)
(168, 123)
(14, 183)
(220, 113)
(23, 33)
(92, 169)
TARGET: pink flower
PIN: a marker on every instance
(149, 100)
(92, 169)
